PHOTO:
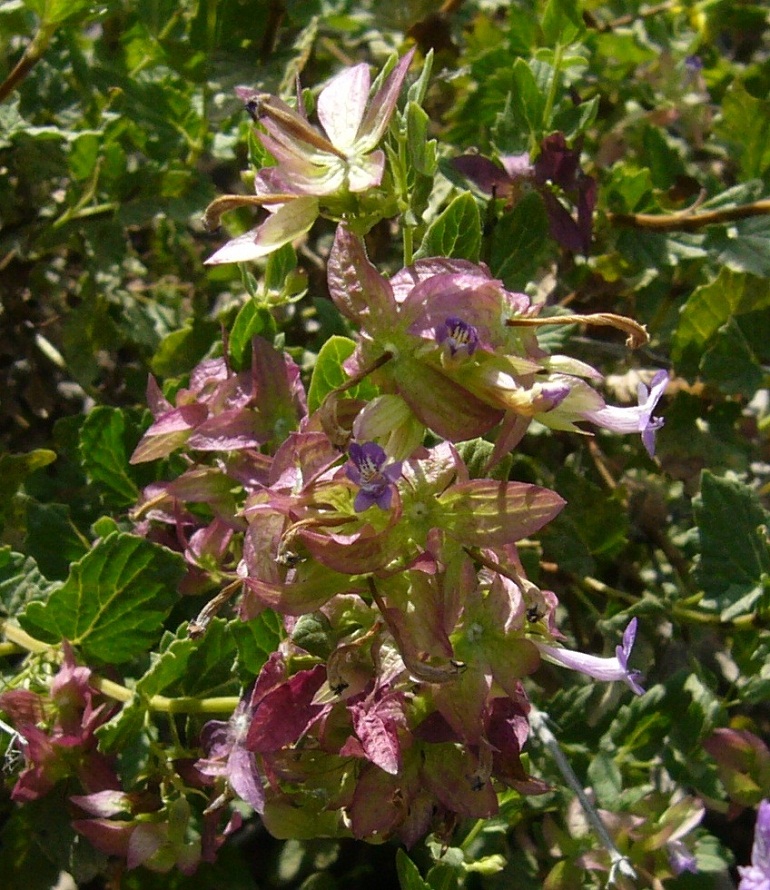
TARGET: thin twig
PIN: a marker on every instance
(619, 863)
(687, 221)
(32, 55)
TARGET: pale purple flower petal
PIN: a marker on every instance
(757, 875)
(285, 225)
(638, 419)
(606, 669)
(378, 115)
(341, 105)
(681, 858)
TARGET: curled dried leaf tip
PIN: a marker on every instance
(637, 333)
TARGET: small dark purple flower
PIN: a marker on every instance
(457, 337)
(376, 481)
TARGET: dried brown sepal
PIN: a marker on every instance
(225, 203)
(637, 333)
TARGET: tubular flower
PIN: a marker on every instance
(607, 669)
(681, 858)
(635, 420)
(314, 167)
(757, 875)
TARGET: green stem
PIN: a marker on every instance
(222, 705)
(473, 834)
(10, 649)
(32, 55)
(408, 235)
(551, 97)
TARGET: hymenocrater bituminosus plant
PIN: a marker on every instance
(404, 710)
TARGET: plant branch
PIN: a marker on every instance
(619, 863)
(224, 704)
(687, 220)
(32, 55)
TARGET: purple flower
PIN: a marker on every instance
(377, 481)
(607, 669)
(757, 875)
(633, 420)
(225, 743)
(457, 337)
(681, 858)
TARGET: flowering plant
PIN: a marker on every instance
(388, 555)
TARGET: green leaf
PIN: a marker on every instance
(103, 453)
(745, 127)
(709, 307)
(53, 539)
(20, 582)
(60, 11)
(744, 246)
(280, 264)
(181, 350)
(409, 877)
(606, 780)
(734, 566)
(574, 120)
(14, 469)
(592, 517)
(527, 98)
(562, 22)
(629, 190)
(252, 320)
(171, 670)
(730, 362)
(165, 668)
(114, 601)
(255, 640)
(83, 154)
(456, 232)
(519, 240)
(422, 151)
(328, 373)
(210, 672)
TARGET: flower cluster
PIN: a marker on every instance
(55, 733)
(394, 704)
